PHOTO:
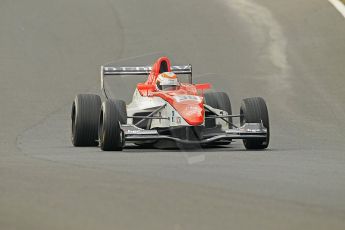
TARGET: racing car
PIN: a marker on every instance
(166, 111)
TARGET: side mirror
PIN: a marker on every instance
(143, 86)
(203, 86)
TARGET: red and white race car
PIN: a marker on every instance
(165, 112)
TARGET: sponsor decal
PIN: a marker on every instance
(192, 110)
(140, 132)
(180, 98)
(133, 131)
(124, 69)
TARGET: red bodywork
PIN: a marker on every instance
(192, 111)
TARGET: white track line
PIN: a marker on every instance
(339, 6)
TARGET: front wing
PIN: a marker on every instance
(247, 131)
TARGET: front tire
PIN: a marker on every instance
(85, 114)
(254, 110)
(111, 136)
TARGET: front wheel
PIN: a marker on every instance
(111, 137)
(254, 110)
(84, 115)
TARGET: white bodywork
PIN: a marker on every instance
(149, 104)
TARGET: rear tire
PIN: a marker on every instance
(218, 100)
(111, 137)
(85, 115)
(121, 108)
(254, 110)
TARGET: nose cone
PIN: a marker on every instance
(192, 113)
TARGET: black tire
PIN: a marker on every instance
(85, 116)
(254, 110)
(219, 100)
(121, 107)
(110, 135)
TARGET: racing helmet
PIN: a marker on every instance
(167, 81)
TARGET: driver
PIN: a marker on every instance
(167, 81)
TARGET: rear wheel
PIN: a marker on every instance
(121, 108)
(254, 110)
(218, 100)
(85, 115)
(111, 137)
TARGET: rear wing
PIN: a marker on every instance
(140, 70)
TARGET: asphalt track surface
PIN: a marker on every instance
(291, 53)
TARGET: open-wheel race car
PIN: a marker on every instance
(165, 112)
